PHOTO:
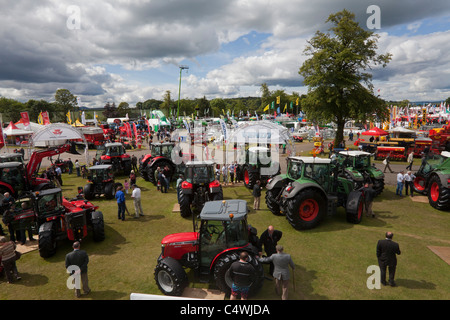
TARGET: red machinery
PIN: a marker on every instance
(16, 178)
(396, 153)
(440, 139)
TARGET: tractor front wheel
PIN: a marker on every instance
(185, 204)
(170, 277)
(272, 204)
(355, 207)
(306, 209)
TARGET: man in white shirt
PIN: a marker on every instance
(400, 180)
(409, 181)
(136, 195)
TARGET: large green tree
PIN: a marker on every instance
(65, 101)
(337, 74)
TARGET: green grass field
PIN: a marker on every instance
(331, 260)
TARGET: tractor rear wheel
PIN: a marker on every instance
(438, 195)
(378, 186)
(110, 192)
(306, 209)
(185, 205)
(354, 207)
(170, 277)
(250, 177)
(47, 241)
(222, 274)
(272, 204)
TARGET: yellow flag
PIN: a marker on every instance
(40, 120)
(296, 101)
(69, 119)
(266, 108)
(278, 99)
(285, 107)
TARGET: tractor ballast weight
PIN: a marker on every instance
(223, 234)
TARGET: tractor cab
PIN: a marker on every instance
(49, 204)
(11, 157)
(223, 226)
(356, 159)
(100, 173)
(199, 172)
(162, 149)
(311, 169)
(12, 178)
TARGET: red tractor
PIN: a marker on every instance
(114, 153)
(53, 217)
(210, 251)
(16, 178)
(162, 155)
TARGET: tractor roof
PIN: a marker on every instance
(101, 167)
(11, 164)
(200, 163)
(220, 210)
(49, 191)
(354, 153)
(311, 159)
(10, 155)
(113, 144)
(258, 149)
(163, 143)
(445, 154)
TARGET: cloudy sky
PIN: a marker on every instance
(131, 50)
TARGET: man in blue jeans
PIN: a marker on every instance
(120, 196)
(400, 181)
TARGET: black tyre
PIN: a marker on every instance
(185, 205)
(222, 277)
(110, 191)
(88, 191)
(272, 204)
(47, 241)
(98, 226)
(306, 209)
(127, 167)
(151, 174)
(217, 195)
(420, 184)
(438, 195)
(378, 186)
(170, 277)
(354, 207)
(143, 171)
(250, 177)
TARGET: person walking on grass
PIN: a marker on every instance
(269, 240)
(80, 259)
(387, 251)
(281, 273)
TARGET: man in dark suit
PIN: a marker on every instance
(80, 259)
(387, 251)
(269, 239)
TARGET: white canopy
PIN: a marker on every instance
(402, 130)
(260, 132)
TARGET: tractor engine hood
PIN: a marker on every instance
(178, 245)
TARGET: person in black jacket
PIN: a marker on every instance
(269, 239)
(243, 274)
(369, 195)
(80, 259)
(387, 251)
(256, 195)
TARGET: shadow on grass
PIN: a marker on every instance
(104, 295)
(415, 284)
(31, 280)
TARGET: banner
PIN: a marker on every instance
(45, 118)
(224, 129)
(2, 140)
(135, 133)
(69, 118)
(25, 120)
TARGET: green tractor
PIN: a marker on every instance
(433, 178)
(255, 163)
(311, 189)
(356, 166)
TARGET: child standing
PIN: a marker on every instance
(126, 186)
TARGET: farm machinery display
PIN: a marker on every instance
(54, 218)
(311, 189)
(256, 163)
(16, 177)
(199, 187)
(209, 250)
(114, 154)
(101, 181)
(356, 166)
